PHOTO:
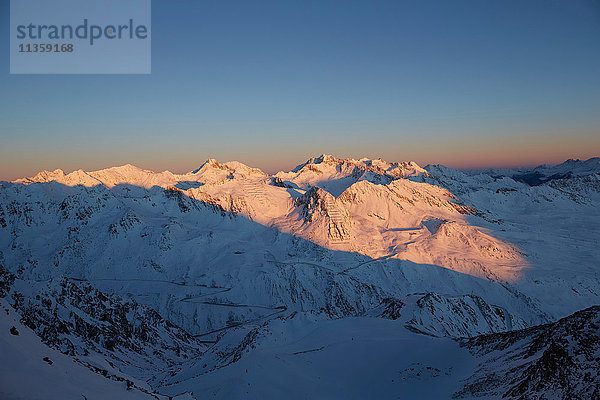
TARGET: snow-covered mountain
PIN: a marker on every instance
(558, 360)
(544, 173)
(173, 282)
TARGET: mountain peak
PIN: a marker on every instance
(327, 158)
(209, 163)
(125, 168)
(43, 176)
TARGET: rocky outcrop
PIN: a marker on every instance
(553, 361)
(81, 321)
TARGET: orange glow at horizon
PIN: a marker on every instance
(455, 153)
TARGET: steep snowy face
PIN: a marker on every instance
(319, 213)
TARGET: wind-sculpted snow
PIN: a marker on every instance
(226, 250)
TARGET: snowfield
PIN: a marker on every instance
(339, 279)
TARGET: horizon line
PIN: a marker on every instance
(272, 171)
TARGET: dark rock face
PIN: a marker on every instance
(6, 281)
(553, 361)
(78, 320)
(276, 181)
(392, 308)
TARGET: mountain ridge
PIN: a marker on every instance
(233, 256)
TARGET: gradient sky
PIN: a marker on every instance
(271, 83)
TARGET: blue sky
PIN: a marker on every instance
(270, 83)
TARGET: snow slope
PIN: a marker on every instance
(304, 356)
(351, 358)
(231, 255)
(30, 370)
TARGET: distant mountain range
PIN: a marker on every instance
(544, 173)
(341, 278)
